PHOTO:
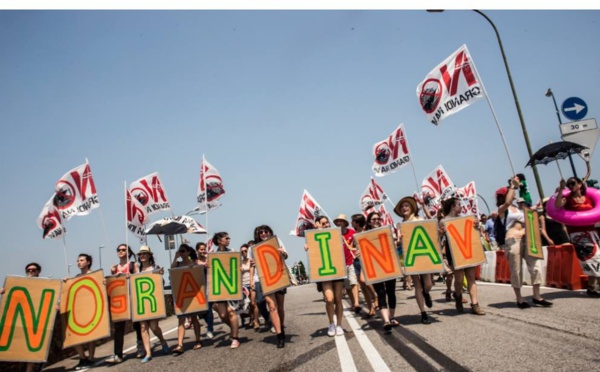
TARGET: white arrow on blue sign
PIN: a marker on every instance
(574, 108)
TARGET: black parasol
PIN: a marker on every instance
(555, 151)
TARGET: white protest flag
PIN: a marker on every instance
(450, 87)
(372, 196)
(50, 222)
(151, 195)
(136, 215)
(309, 211)
(210, 188)
(436, 187)
(75, 193)
(468, 199)
(386, 217)
(391, 154)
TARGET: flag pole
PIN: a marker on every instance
(412, 162)
(203, 182)
(126, 229)
(495, 118)
(65, 251)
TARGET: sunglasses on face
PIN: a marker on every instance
(263, 232)
(143, 254)
(32, 270)
(244, 251)
(571, 183)
(122, 250)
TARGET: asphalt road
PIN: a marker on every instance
(565, 337)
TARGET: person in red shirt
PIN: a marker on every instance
(352, 281)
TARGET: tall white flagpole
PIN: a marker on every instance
(495, 117)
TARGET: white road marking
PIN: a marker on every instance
(371, 352)
(346, 360)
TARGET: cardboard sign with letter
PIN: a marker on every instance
(326, 259)
(464, 240)
(117, 287)
(270, 264)
(224, 276)
(533, 237)
(27, 314)
(84, 309)
(421, 247)
(147, 296)
(378, 255)
(189, 289)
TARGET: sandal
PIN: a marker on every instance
(198, 345)
(387, 327)
(394, 323)
(178, 350)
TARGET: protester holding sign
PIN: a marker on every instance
(514, 245)
(352, 281)
(84, 263)
(32, 270)
(386, 291)
(359, 222)
(225, 309)
(332, 292)
(189, 259)
(407, 209)
(147, 264)
(201, 250)
(125, 267)
(275, 301)
(452, 209)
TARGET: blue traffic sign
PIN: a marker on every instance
(574, 108)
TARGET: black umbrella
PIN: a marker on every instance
(175, 225)
(555, 151)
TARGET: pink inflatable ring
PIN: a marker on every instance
(571, 218)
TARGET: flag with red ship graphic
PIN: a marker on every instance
(210, 188)
(450, 87)
(391, 154)
(308, 213)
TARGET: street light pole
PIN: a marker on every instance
(549, 93)
(514, 93)
(100, 255)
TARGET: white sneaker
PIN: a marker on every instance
(210, 335)
(339, 331)
(114, 360)
(273, 330)
(331, 330)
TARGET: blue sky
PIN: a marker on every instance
(278, 101)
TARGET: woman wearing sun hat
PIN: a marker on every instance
(147, 264)
(409, 211)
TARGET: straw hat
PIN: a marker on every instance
(411, 201)
(342, 218)
(145, 248)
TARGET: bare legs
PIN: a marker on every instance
(333, 300)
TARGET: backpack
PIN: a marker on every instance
(500, 229)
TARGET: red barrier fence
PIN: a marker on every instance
(502, 270)
(564, 270)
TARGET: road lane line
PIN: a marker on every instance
(371, 352)
(346, 360)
